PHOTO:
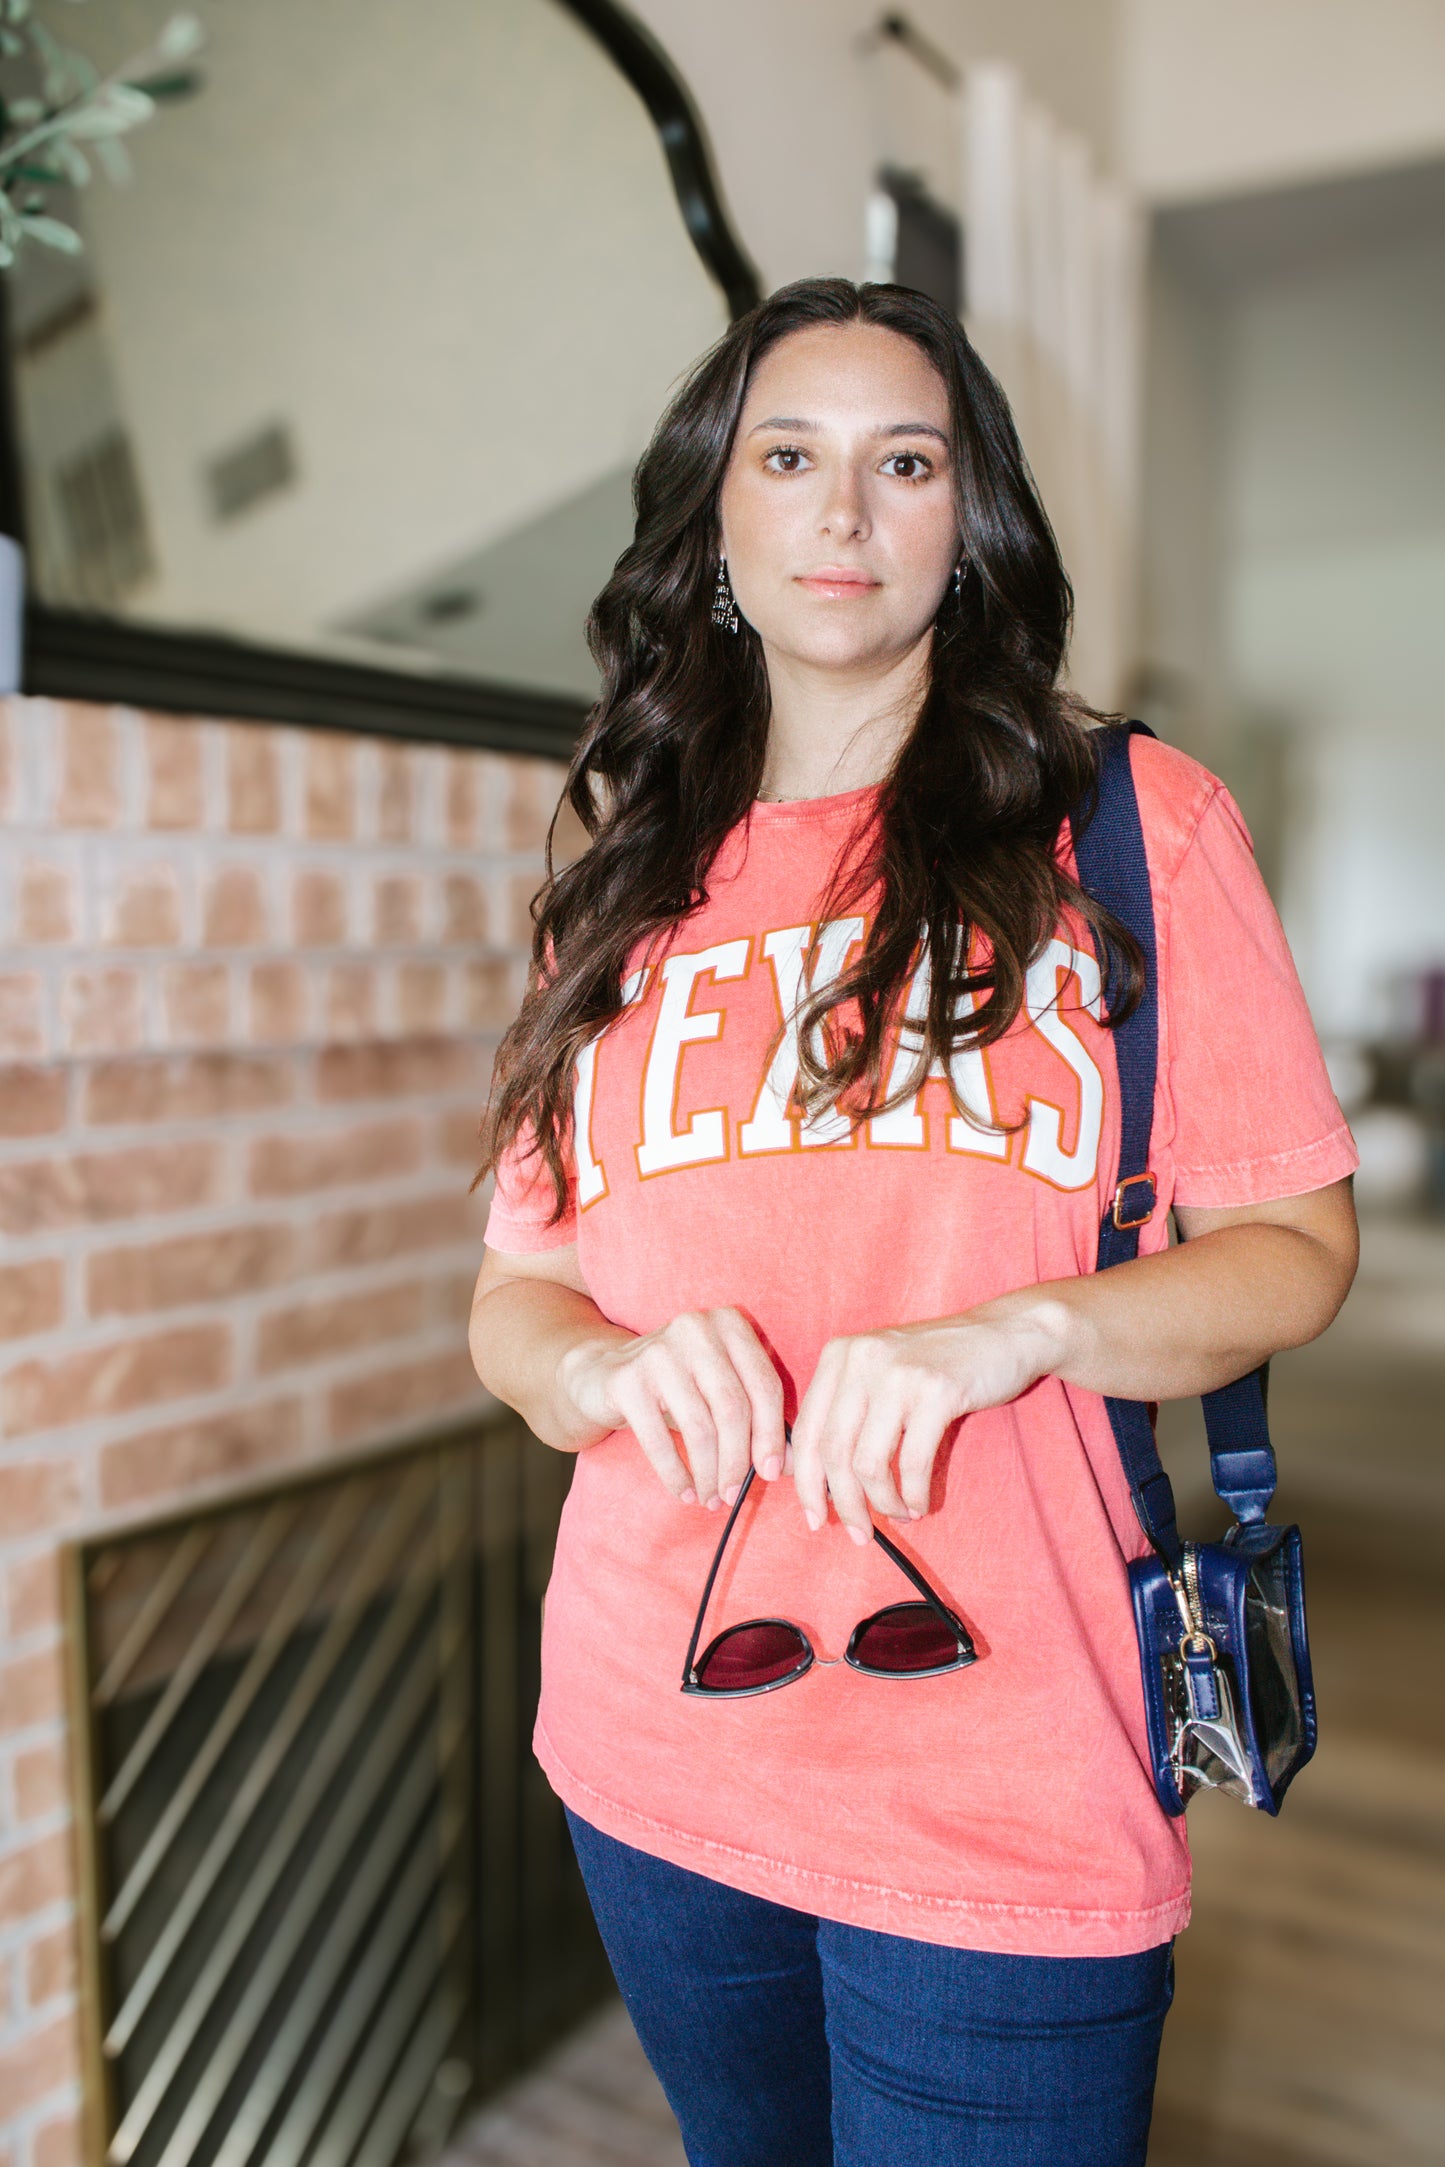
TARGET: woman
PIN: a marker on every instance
(802, 1140)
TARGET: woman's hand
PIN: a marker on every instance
(888, 1395)
(542, 1345)
(703, 1383)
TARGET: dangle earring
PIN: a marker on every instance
(960, 574)
(724, 608)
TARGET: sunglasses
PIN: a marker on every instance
(907, 1640)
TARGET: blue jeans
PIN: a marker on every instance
(783, 2040)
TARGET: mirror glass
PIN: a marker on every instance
(359, 360)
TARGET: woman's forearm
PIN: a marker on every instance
(521, 1333)
(1244, 1283)
(1186, 1320)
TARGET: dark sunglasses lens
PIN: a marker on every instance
(747, 1657)
(904, 1638)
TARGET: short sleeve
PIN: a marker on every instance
(520, 1220)
(1254, 1115)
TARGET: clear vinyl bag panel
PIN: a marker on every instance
(1274, 1679)
(1227, 1683)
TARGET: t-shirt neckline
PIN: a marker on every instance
(770, 812)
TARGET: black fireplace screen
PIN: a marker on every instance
(328, 1900)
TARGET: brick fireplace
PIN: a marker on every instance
(251, 984)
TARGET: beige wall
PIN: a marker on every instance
(1294, 551)
(1182, 509)
(1241, 93)
(1294, 476)
(1334, 595)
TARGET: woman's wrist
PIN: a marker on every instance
(582, 1416)
(1047, 1328)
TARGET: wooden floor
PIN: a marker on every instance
(594, 2103)
(1309, 2024)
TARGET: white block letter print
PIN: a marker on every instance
(1044, 1152)
(904, 1125)
(770, 1126)
(591, 1180)
(664, 1146)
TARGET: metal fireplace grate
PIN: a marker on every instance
(327, 1898)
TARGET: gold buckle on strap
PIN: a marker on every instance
(1127, 1210)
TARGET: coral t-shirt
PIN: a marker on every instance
(1007, 1806)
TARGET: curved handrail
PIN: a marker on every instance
(662, 90)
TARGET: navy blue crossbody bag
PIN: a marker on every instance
(1222, 1642)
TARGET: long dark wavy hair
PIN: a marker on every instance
(963, 854)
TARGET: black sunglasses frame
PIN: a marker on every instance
(692, 1668)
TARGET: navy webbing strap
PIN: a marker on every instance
(1114, 868)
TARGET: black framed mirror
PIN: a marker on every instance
(332, 419)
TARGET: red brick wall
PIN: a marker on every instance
(250, 986)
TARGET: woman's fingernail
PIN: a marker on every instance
(914, 1513)
(858, 1534)
(730, 1494)
(713, 1502)
(772, 1469)
(688, 1497)
(813, 1521)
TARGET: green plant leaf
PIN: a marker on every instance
(66, 73)
(113, 108)
(166, 87)
(41, 138)
(182, 38)
(114, 159)
(53, 232)
(73, 160)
